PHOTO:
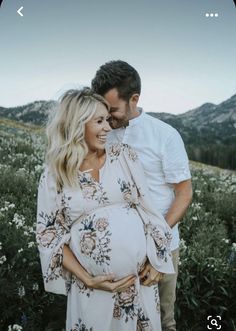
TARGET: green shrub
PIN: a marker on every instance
(23, 299)
(206, 282)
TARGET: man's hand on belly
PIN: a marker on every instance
(150, 276)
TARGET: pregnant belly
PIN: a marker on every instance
(110, 240)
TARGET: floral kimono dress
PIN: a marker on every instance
(111, 227)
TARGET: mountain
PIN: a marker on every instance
(207, 124)
(210, 113)
(209, 131)
(32, 113)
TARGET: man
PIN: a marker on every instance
(163, 156)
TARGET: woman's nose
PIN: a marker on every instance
(107, 127)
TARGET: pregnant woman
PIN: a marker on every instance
(97, 230)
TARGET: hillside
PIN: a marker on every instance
(208, 131)
(207, 124)
(32, 113)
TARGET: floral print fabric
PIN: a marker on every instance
(111, 227)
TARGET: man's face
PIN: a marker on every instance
(120, 110)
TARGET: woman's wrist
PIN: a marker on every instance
(84, 276)
(71, 264)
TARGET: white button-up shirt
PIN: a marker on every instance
(162, 153)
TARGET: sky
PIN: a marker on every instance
(183, 57)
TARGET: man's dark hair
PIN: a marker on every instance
(119, 75)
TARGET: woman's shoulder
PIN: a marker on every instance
(47, 178)
(46, 172)
(117, 150)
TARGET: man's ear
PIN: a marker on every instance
(133, 101)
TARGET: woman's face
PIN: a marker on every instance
(97, 128)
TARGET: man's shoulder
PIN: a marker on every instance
(158, 125)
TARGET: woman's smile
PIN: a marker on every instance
(97, 128)
(102, 138)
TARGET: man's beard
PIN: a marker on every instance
(116, 124)
(123, 122)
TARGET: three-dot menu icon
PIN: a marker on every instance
(212, 15)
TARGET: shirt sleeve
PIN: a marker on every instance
(158, 232)
(175, 160)
(52, 232)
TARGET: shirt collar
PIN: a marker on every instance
(136, 120)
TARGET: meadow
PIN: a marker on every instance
(207, 265)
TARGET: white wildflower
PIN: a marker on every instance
(21, 291)
(20, 250)
(35, 287)
(194, 218)
(15, 327)
(182, 244)
(31, 229)
(19, 220)
(3, 259)
(197, 205)
(38, 168)
(21, 171)
(225, 240)
(210, 265)
(31, 244)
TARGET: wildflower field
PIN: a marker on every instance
(207, 266)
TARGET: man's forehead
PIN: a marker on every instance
(112, 95)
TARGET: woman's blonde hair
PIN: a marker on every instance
(65, 132)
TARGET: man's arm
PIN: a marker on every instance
(183, 198)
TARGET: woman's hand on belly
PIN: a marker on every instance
(107, 283)
(100, 282)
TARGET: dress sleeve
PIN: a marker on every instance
(52, 232)
(158, 232)
(175, 160)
